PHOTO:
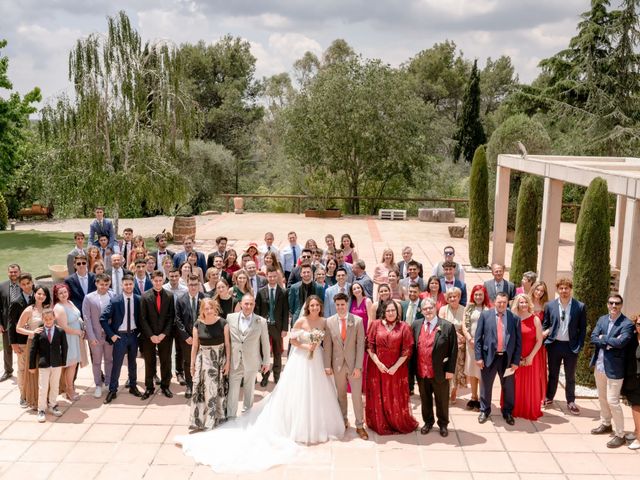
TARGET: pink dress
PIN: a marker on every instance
(361, 311)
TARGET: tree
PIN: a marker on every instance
(14, 122)
(470, 134)
(479, 225)
(497, 80)
(525, 245)
(592, 263)
(115, 142)
(361, 119)
(4, 214)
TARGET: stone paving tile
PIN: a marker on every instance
(51, 451)
(84, 471)
(30, 470)
(582, 463)
(530, 462)
(489, 462)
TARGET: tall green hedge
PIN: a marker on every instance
(479, 224)
(4, 214)
(592, 264)
(525, 245)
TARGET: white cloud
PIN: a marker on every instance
(459, 8)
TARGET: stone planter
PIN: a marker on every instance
(238, 205)
(328, 213)
(440, 215)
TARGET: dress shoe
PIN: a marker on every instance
(483, 417)
(146, 394)
(156, 379)
(5, 376)
(135, 392)
(509, 419)
(188, 393)
(363, 433)
(264, 381)
(546, 402)
(616, 442)
(444, 432)
(110, 397)
(166, 392)
(180, 378)
(426, 428)
(602, 429)
(573, 408)
(126, 384)
(276, 379)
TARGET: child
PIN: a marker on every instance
(48, 354)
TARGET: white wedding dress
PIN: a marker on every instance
(302, 409)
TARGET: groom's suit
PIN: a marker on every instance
(343, 357)
(249, 350)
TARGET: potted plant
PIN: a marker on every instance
(320, 184)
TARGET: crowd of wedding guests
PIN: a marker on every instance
(218, 318)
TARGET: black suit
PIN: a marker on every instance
(5, 301)
(276, 323)
(15, 310)
(184, 327)
(155, 255)
(443, 359)
(75, 288)
(48, 355)
(154, 323)
(401, 269)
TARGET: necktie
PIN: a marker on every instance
(141, 286)
(50, 334)
(129, 315)
(125, 251)
(500, 334)
(272, 304)
(193, 307)
(343, 329)
(498, 287)
(268, 249)
(295, 257)
(14, 292)
(158, 301)
(410, 309)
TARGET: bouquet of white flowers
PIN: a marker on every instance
(315, 337)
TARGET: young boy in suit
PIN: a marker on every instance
(48, 354)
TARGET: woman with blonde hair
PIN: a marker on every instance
(382, 269)
(241, 284)
(93, 256)
(454, 313)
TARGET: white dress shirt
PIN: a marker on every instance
(563, 329)
(245, 323)
(132, 325)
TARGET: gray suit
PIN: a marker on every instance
(249, 350)
(103, 350)
(405, 282)
(343, 358)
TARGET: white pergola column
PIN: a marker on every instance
(551, 215)
(618, 231)
(630, 261)
(500, 215)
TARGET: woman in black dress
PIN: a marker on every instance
(222, 295)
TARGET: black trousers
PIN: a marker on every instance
(7, 353)
(186, 360)
(488, 376)
(411, 369)
(275, 339)
(557, 353)
(164, 354)
(179, 357)
(433, 392)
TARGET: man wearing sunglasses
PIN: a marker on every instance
(610, 337)
(81, 283)
(564, 330)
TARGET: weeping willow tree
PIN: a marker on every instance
(115, 143)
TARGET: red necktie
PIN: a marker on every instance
(500, 334)
(158, 302)
(343, 329)
(50, 334)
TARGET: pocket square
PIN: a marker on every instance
(445, 359)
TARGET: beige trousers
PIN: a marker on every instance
(609, 397)
(342, 378)
(48, 382)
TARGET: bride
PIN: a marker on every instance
(302, 409)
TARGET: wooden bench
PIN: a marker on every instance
(36, 210)
(391, 214)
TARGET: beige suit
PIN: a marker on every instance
(248, 351)
(343, 358)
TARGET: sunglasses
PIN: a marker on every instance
(81, 263)
(449, 253)
(614, 303)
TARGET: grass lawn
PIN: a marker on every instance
(34, 251)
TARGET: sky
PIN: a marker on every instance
(42, 32)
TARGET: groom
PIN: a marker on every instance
(249, 353)
(343, 357)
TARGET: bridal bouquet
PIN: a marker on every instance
(315, 337)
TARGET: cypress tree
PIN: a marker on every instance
(592, 264)
(525, 245)
(470, 134)
(4, 214)
(479, 225)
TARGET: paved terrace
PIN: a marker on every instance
(133, 439)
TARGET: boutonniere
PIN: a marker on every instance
(350, 323)
(438, 329)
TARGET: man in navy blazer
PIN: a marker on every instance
(81, 282)
(449, 281)
(181, 257)
(141, 279)
(610, 337)
(120, 321)
(496, 350)
(101, 226)
(564, 329)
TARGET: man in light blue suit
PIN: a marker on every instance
(341, 286)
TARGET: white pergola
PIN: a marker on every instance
(623, 180)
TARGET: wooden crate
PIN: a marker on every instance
(391, 214)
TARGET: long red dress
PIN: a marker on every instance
(531, 380)
(388, 410)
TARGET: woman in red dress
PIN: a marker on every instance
(389, 344)
(531, 377)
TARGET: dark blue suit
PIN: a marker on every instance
(181, 257)
(460, 285)
(613, 344)
(147, 285)
(112, 320)
(559, 352)
(75, 289)
(95, 230)
(486, 349)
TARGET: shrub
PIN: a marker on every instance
(4, 214)
(479, 225)
(525, 245)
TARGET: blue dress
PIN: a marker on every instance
(74, 321)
